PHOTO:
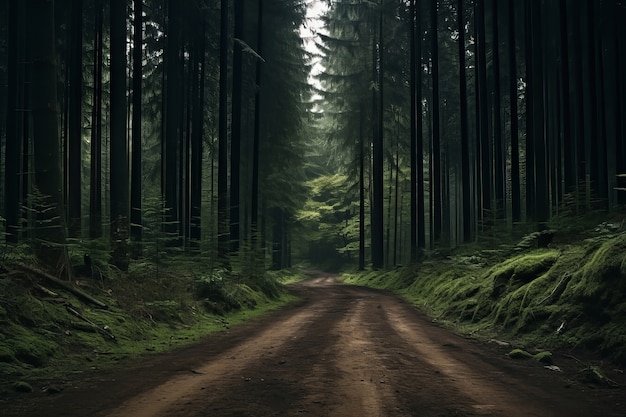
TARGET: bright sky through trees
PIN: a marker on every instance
(309, 33)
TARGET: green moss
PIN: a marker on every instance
(6, 354)
(21, 386)
(153, 310)
(544, 357)
(34, 350)
(603, 276)
(519, 354)
(164, 310)
(594, 375)
(10, 369)
(513, 273)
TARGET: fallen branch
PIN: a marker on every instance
(46, 291)
(594, 375)
(65, 285)
(103, 330)
(566, 355)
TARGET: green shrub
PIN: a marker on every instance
(21, 386)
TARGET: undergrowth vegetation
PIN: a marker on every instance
(106, 315)
(570, 295)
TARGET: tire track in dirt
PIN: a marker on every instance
(288, 381)
(182, 388)
(461, 367)
(360, 382)
(407, 385)
(478, 386)
(345, 382)
(338, 377)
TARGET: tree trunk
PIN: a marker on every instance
(119, 140)
(482, 113)
(620, 153)
(499, 157)
(254, 203)
(222, 172)
(529, 94)
(197, 148)
(599, 159)
(173, 120)
(611, 103)
(377, 149)
(235, 141)
(466, 175)
(436, 197)
(396, 190)
(188, 61)
(536, 141)
(579, 113)
(50, 228)
(361, 188)
(389, 209)
(413, 126)
(75, 119)
(13, 154)
(278, 239)
(95, 186)
(421, 201)
(136, 218)
(569, 144)
(516, 211)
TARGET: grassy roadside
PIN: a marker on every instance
(47, 331)
(570, 295)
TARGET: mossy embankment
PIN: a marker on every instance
(569, 295)
(47, 331)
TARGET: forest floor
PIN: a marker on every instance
(341, 350)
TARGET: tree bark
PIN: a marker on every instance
(222, 172)
(436, 196)
(235, 141)
(14, 117)
(516, 211)
(421, 201)
(254, 203)
(50, 228)
(466, 175)
(197, 148)
(119, 139)
(361, 188)
(413, 126)
(75, 155)
(95, 185)
(377, 149)
(173, 119)
(136, 218)
(482, 113)
(499, 157)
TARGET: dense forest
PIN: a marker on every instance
(454, 120)
(154, 128)
(163, 128)
(143, 141)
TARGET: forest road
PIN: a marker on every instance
(341, 351)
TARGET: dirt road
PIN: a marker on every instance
(342, 351)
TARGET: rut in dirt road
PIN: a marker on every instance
(341, 351)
